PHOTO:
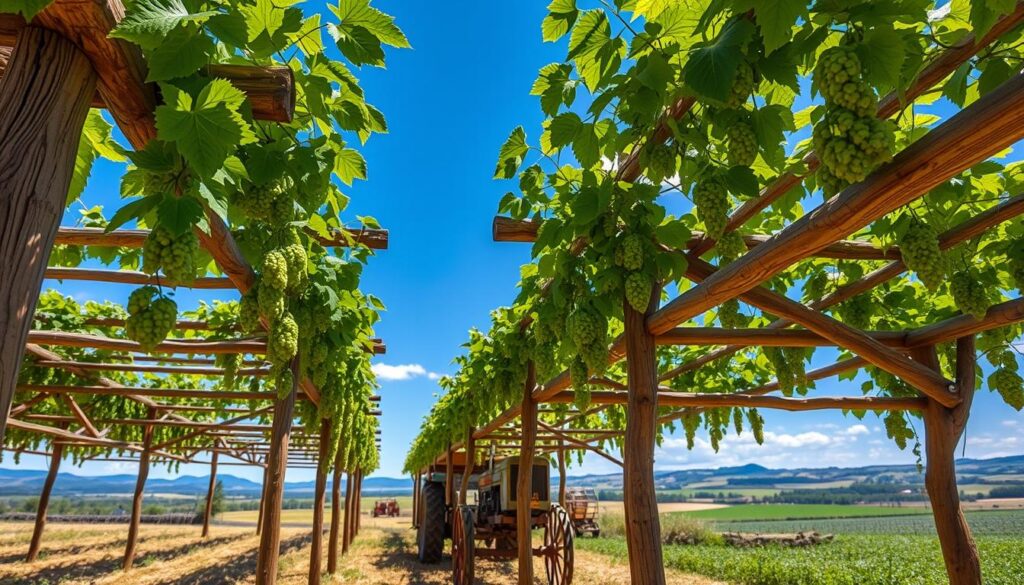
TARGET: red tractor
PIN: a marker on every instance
(386, 507)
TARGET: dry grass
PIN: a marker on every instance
(384, 554)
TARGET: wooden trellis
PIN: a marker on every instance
(979, 131)
(51, 73)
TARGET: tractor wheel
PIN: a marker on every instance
(463, 546)
(431, 533)
(558, 546)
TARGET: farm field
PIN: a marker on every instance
(305, 516)
(169, 555)
(796, 511)
(1002, 523)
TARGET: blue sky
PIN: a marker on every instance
(450, 103)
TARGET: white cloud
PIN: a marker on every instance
(856, 430)
(1010, 423)
(401, 372)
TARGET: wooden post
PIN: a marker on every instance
(643, 529)
(44, 501)
(470, 460)
(346, 533)
(316, 546)
(277, 462)
(263, 497)
(140, 486)
(943, 429)
(209, 494)
(332, 541)
(561, 473)
(524, 488)
(44, 98)
(359, 499)
(416, 500)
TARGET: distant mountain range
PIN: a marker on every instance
(29, 482)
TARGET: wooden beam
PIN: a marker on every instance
(80, 415)
(319, 501)
(208, 510)
(140, 486)
(44, 100)
(135, 391)
(763, 337)
(102, 367)
(375, 239)
(135, 278)
(562, 439)
(44, 502)
(943, 429)
(186, 346)
(643, 527)
(524, 488)
(980, 130)
(277, 462)
(332, 540)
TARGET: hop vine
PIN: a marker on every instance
(920, 250)
(172, 253)
(151, 317)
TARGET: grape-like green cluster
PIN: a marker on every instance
(230, 363)
(580, 377)
(1016, 267)
(789, 367)
(756, 425)
(283, 382)
(586, 325)
(969, 293)
(270, 203)
(151, 316)
(175, 254)
(295, 261)
(729, 315)
(741, 142)
(840, 78)
(632, 252)
(919, 248)
(857, 312)
(249, 312)
(897, 429)
(275, 270)
(851, 146)
(1005, 379)
(730, 247)
(850, 140)
(283, 342)
(660, 162)
(638, 291)
(270, 300)
(711, 200)
(742, 86)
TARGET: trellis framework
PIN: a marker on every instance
(51, 72)
(978, 132)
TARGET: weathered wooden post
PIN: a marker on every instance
(524, 487)
(470, 460)
(561, 473)
(357, 505)
(45, 94)
(449, 479)
(140, 487)
(209, 494)
(336, 513)
(277, 463)
(943, 429)
(416, 500)
(263, 497)
(346, 531)
(316, 546)
(643, 529)
(56, 453)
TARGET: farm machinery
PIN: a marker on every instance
(487, 529)
(582, 505)
(386, 507)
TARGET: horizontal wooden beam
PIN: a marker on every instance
(763, 337)
(136, 278)
(183, 346)
(108, 367)
(689, 400)
(506, 229)
(230, 395)
(376, 239)
(68, 437)
(980, 130)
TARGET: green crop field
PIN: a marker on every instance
(1002, 523)
(849, 560)
(747, 512)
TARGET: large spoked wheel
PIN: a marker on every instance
(558, 546)
(463, 544)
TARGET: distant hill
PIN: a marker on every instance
(29, 482)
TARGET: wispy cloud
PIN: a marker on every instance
(390, 373)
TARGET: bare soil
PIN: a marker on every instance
(383, 554)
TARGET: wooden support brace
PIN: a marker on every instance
(336, 512)
(44, 99)
(208, 510)
(524, 489)
(56, 454)
(319, 501)
(140, 486)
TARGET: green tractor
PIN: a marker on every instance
(491, 521)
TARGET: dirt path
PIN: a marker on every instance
(384, 554)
